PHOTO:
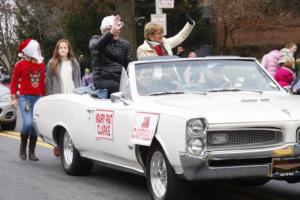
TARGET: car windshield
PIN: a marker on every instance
(201, 76)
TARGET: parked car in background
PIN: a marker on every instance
(8, 116)
(177, 121)
(5, 80)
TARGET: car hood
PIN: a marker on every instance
(234, 107)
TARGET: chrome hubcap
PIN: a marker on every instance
(158, 174)
(68, 149)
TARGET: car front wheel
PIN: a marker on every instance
(71, 161)
(162, 182)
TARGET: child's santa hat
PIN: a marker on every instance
(30, 48)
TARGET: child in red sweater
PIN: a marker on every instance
(29, 80)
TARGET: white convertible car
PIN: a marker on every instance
(180, 120)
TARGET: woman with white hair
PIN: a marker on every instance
(109, 54)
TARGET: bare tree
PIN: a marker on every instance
(50, 20)
(8, 39)
(39, 20)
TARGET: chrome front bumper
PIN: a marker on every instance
(200, 168)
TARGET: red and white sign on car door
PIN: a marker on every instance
(104, 124)
(144, 128)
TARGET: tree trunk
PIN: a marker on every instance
(224, 46)
(125, 9)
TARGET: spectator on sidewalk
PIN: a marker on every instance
(87, 79)
(155, 44)
(109, 54)
(30, 71)
(270, 61)
(287, 54)
(192, 54)
(180, 51)
(284, 74)
(83, 65)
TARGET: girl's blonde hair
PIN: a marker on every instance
(56, 57)
(151, 28)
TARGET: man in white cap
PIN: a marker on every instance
(109, 54)
(30, 74)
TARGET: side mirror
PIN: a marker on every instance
(117, 97)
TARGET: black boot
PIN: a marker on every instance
(32, 144)
(24, 138)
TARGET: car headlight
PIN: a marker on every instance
(195, 127)
(5, 98)
(195, 146)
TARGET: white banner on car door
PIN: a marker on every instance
(104, 124)
(144, 128)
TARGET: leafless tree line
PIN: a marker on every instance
(8, 37)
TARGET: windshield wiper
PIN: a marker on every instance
(166, 93)
(233, 90)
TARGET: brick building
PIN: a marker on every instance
(242, 23)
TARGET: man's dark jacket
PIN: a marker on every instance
(109, 56)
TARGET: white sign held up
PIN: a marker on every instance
(165, 3)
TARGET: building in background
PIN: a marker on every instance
(256, 24)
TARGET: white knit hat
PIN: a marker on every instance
(30, 48)
(106, 22)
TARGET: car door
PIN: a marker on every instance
(113, 126)
(109, 134)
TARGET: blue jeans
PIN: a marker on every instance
(26, 103)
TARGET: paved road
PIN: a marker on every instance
(43, 180)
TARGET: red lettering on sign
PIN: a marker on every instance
(146, 122)
(104, 130)
(142, 134)
(97, 118)
(108, 118)
(100, 118)
(98, 129)
(104, 122)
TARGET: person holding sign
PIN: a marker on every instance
(156, 44)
